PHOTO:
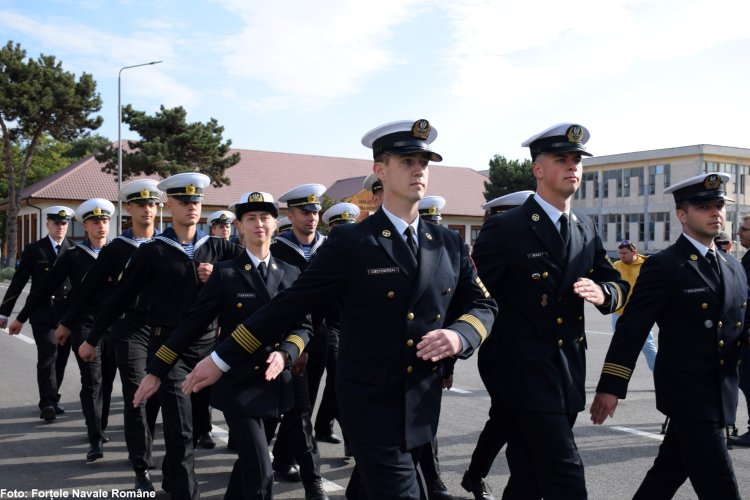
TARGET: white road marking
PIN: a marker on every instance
(460, 391)
(599, 333)
(20, 336)
(650, 435)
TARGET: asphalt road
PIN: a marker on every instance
(50, 457)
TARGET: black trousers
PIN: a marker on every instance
(385, 471)
(51, 360)
(745, 375)
(201, 402)
(428, 460)
(130, 340)
(317, 352)
(542, 456)
(252, 476)
(294, 441)
(177, 416)
(91, 382)
(328, 411)
(109, 372)
(493, 437)
(694, 450)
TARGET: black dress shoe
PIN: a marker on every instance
(48, 414)
(347, 451)
(314, 490)
(328, 438)
(105, 438)
(477, 487)
(743, 440)
(95, 451)
(59, 409)
(288, 472)
(206, 441)
(143, 481)
(231, 444)
(436, 490)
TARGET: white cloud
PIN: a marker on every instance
(311, 53)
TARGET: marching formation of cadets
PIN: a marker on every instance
(383, 307)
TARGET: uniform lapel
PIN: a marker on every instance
(430, 250)
(573, 261)
(246, 268)
(274, 275)
(49, 251)
(393, 244)
(728, 280)
(698, 263)
(545, 230)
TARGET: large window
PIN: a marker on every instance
(608, 219)
(655, 170)
(612, 174)
(628, 175)
(631, 219)
(475, 233)
(582, 192)
(652, 220)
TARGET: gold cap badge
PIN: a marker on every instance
(713, 181)
(345, 215)
(312, 199)
(255, 197)
(421, 129)
(96, 211)
(223, 217)
(432, 210)
(62, 213)
(575, 134)
(145, 193)
(190, 189)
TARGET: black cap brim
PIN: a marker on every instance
(187, 197)
(700, 200)
(243, 208)
(57, 218)
(405, 150)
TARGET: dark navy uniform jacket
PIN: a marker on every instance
(538, 343)
(701, 330)
(234, 291)
(36, 261)
(72, 265)
(386, 394)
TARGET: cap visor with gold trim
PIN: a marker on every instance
(700, 188)
(507, 201)
(558, 139)
(59, 213)
(430, 208)
(401, 138)
(372, 183)
(255, 201)
(142, 191)
(306, 197)
(186, 186)
(341, 213)
(220, 217)
(95, 209)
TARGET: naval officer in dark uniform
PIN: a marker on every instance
(698, 297)
(541, 277)
(409, 299)
(170, 272)
(36, 261)
(236, 289)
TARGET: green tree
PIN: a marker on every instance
(508, 176)
(170, 145)
(38, 97)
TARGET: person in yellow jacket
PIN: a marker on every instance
(629, 266)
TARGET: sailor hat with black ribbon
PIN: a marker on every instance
(141, 191)
(507, 201)
(372, 183)
(256, 201)
(306, 197)
(559, 138)
(700, 188)
(402, 137)
(187, 186)
(95, 208)
(341, 213)
(59, 213)
(430, 207)
(221, 217)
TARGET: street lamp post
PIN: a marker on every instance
(119, 139)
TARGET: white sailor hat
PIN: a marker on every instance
(507, 201)
(430, 207)
(402, 137)
(372, 183)
(95, 208)
(256, 201)
(341, 213)
(140, 191)
(700, 188)
(306, 197)
(284, 224)
(221, 217)
(559, 138)
(187, 186)
(59, 213)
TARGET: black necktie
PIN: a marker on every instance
(565, 230)
(57, 249)
(410, 241)
(262, 271)
(711, 258)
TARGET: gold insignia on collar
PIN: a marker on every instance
(312, 199)
(248, 267)
(693, 256)
(421, 129)
(190, 189)
(535, 217)
(145, 193)
(274, 266)
(96, 211)
(713, 181)
(62, 213)
(386, 233)
(575, 134)
(428, 236)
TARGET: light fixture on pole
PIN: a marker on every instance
(119, 138)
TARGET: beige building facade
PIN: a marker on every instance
(623, 192)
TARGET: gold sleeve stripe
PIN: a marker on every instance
(618, 296)
(245, 339)
(476, 324)
(167, 355)
(617, 370)
(297, 341)
(9, 299)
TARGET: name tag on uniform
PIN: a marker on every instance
(383, 270)
(245, 295)
(536, 255)
(695, 290)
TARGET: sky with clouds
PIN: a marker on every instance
(312, 77)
